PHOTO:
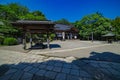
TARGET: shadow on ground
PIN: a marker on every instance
(105, 56)
(55, 46)
(44, 46)
(80, 69)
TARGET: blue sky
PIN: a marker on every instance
(71, 10)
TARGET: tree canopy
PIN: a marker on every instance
(95, 23)
(16, 11)
(63, 21)
(116, 26)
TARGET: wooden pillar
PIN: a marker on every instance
(63, 36)
(30, 40)
(48, 41)
(24, 40)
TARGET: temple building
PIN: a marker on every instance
(64, 32)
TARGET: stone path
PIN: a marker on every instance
(83, 52)
(22, 66)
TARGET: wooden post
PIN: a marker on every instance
(92, 37)
(24, 40)
(48, 41)
(30, 40)
(63, 36)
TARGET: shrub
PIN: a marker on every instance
(1, 39)
(10, 41)
(52, 36)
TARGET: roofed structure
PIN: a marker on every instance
(65, 31)
(34, 27)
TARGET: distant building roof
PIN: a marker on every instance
(66, 28)
(109, 35)
(62, 27)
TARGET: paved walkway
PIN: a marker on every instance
(83, 52)
(21, 66)
(85, 61)
(55, 45)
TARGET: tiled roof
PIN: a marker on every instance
(62, 27)
(32, 22)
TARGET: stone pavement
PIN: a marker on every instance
(83, 52)
(37, 67)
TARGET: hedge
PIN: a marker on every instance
(10, 41)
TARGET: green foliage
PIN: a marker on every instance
(7, 13)
(52, 36)
(15, 11)
(7, 29)
(30, 16)
(18, 9)
(10, 41)
(63, 21)
(95, 23)
(116, 26)
(1, 39)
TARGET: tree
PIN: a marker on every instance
(30, 16)
(37, 13)
(18, 9)
(6, 13)
(12, 11)
(63, 21)
(116, 26)
(95, 24)
(7, 30)
(15, 11)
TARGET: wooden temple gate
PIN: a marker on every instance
(35, 27)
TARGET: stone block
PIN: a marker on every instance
(21, 66)
(49, 67)
(70, 77)
(17, 75)
(36, 65)
(66, 70)
(59, 64)
(27, 76)
(28, 68)
(66, 65)
(74, 72)
(84, 74)
(61, 76)
(51, 63)
(50, 74)
(41, 72)
(75, 66)
(33, 70)
(57, 69)
(10, 71)
(42, 66)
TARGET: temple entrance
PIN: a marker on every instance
(35, 27)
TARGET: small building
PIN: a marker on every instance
(109, 37)
(64, 32)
